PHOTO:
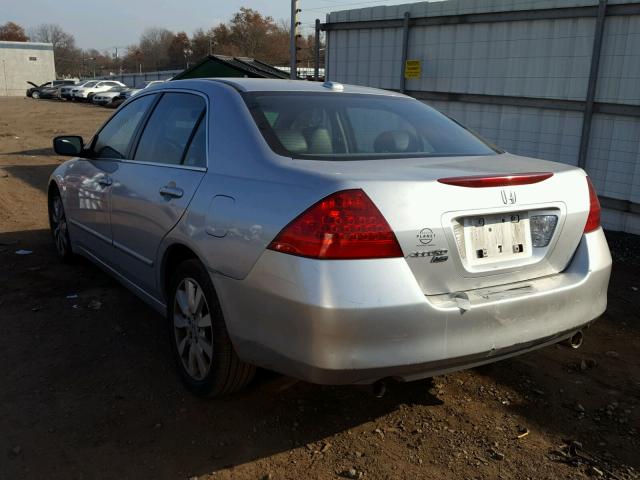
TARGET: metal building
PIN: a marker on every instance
(225, 66)
(24, 61)
(553, 79)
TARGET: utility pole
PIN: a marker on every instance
(316, 68)
(187, 54)
(94, 65)
(295, 26)
(6, 85)
(117, 58)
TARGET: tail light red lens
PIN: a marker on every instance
(504, 180)
(593, 220)
(344, 225)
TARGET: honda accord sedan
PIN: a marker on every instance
(333, 233)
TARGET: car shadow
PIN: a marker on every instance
(89, 384)
(37, 176)
(587, 395)
(34, 152)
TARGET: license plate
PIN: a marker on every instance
(497, 238)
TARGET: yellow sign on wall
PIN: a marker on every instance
(412, 69)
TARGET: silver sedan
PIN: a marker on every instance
(334, 233)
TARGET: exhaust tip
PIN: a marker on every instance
(379, 389)
(575, 341)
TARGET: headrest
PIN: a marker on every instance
(292, 140)
(395, 141)
(320, 142)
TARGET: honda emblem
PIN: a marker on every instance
(508, 197)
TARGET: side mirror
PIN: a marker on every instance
(68, 145)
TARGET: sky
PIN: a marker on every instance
(106, 24)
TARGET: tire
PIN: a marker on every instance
(59, 228)
(198, 326)
(35, 95)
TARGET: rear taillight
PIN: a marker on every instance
(502, 180)
(593, 220)
(344, 225)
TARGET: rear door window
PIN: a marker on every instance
(114, 140)
(171, 128)
(196, 155)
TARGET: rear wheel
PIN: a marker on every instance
(59, 227)
(205, 357)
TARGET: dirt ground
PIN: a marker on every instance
(92, 393)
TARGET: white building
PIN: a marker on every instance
(24, 61)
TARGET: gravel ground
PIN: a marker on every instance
(88, 388)
(625, 248)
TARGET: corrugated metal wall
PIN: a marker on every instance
(535, 58)
(138, 80)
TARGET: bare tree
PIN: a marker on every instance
(154, 44)
(180, 50)
(133, 59)
(201, 43)
(54, 34)
(68, 58)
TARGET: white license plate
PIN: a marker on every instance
(497, 238)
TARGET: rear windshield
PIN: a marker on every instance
(337, 126)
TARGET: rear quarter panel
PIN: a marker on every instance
(248, 194)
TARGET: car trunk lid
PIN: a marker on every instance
(462, 226)
(472, 224)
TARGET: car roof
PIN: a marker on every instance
(279, 85)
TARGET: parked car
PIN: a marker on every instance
(36, 90)
(334, 233)
(66, 91)
(126, 94)
(105, 98)
(87, 91)
(49, 92)
(76, 88)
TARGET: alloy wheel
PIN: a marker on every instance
(59, 224)
(193, 329)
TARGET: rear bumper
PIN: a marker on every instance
(339, 322)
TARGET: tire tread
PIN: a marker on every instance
(229, 373)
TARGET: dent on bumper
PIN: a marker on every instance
(358, 321)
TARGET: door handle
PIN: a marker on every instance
(105, 181)
(172, 192)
